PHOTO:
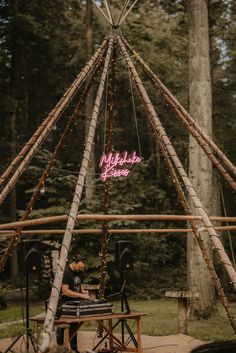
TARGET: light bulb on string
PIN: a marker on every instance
(42, 190)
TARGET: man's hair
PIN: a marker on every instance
(78, 258)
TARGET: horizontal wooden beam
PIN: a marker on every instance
(101, 217)
(111, 231)
(110, 218)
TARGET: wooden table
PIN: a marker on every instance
(107, 323)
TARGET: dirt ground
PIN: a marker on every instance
(151, 344)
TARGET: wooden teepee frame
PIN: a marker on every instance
(199, 224)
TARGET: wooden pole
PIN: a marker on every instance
(48, 168)
(34, 222)
(108, 6)
(110, 100)
(45, 334)
(112, 231)
(108, 10)
(101, 217)
(46, 128)
(172, 100)
(161, 135)
(122, 11)
(199, 239)
(126, 14)
(103, 14)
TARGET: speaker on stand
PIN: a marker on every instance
(123, 255)
(30, 258)
(30, 262)
(124, 262)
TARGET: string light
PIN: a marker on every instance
(42, 190)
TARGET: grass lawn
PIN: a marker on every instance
(15, 313)
(161, 320)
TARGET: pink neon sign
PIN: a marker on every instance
(116, 164)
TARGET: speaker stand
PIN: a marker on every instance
(125, 308)
(29, 338)
(28, 332)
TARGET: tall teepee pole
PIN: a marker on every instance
(108, 10)
(102, 12)
(126, 14)
(182, 113)
(108, 6)
(161, 135)
(106, 187)
(47, 170)
(205, 145)
(198, 237)
(50, 315)
(37, 139)
(122, 11)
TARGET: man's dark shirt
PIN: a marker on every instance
(74, 280)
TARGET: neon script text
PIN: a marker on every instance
(112, 164)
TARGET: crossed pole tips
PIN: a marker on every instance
(126, 9)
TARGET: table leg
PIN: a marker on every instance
(182, 303)
(67, 337)
(139, 336)
(110, 336)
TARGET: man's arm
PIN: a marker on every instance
(83, 290)
(71, 294)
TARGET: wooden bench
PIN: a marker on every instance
(183, 299)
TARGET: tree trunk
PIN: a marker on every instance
(14, 89)
(14, 257)
(200, 168)
(90, 184)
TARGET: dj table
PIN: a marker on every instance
(107, 323)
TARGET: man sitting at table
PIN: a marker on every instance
(72, 289)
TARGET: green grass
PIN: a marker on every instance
(161, 320)
(217, 327)
(14, 313)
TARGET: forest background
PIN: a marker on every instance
(42, 49)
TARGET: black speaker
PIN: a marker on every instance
(30, 258)
(123, 255)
